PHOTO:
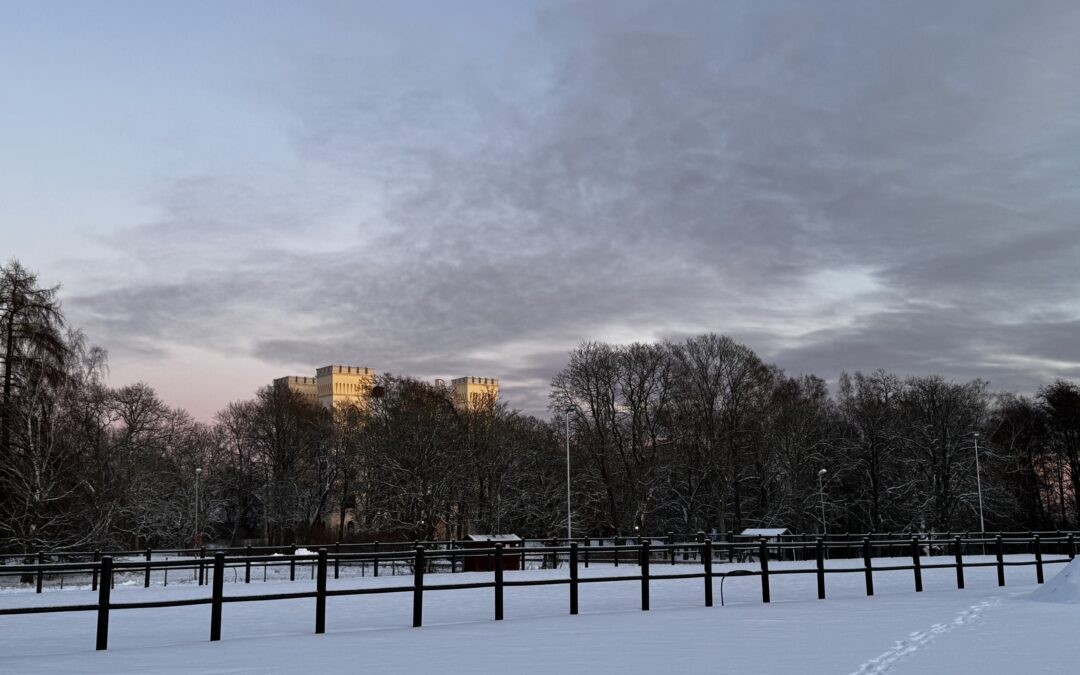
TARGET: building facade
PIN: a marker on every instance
(471, 393)
(344, 384)
(305, 386)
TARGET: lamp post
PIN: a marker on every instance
(569, 529)
(821, 493)
(978, 484)
(198, 534)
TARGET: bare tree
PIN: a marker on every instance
(1061, 401)
(940, 420)
(723, 388)
(869, 410)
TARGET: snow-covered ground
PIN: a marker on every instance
(982, 629)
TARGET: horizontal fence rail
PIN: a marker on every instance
(683, 541)
(652, 555)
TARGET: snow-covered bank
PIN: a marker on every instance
(1062, 588)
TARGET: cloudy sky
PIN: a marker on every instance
(234, 191)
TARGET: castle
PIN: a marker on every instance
(334, 384)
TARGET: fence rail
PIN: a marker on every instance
(646, 553)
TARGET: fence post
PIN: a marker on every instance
(146, 578)
(700, 540)
(103, 603)
(574, 576)
(498, 582)
(819, 548)
(453, 557)
(588, 543)
(40, 570)
(247, 565)
(999, 550)
(671, 544)
(1072, 546)
(215, 600)
(916, 564)
(320, 594)
(375, 557)
(337, 552)
(94, 572)
(868, 566)
(202, 565)
(763, 556)
(1038, 560)
(706, 557)
(643, 560)
(418, 588)
(959, 564)
(615, 543)
(292, 562)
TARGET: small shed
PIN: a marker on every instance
(770, 533)
(486, 563)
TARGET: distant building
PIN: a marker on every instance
(305, 386)
(471, 393)
(337, 384)
(344, 384)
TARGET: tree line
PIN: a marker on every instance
(675, 436)
(703, 434)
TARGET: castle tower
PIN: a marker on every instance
(305, 386)
(471, 393)
(344, 384)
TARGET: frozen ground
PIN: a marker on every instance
(982, 629)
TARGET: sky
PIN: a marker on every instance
(232, 192)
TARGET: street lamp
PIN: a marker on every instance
(198, 534)
(569, 529)
(978, 483)
(821, 493)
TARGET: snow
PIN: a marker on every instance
(982, 629)
(1063, 587)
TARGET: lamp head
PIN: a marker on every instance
(822, 472)
(198, 470)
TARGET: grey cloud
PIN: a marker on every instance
(951, 342)
(670, 168)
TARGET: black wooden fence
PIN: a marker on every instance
(643, 552)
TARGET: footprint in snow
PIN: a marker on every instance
(903, 648)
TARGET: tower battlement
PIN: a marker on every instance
(486, 381)
(344, 370)
(295, 379)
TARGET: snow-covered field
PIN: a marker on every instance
(983, 629)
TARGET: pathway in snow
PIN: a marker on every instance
(919, 639)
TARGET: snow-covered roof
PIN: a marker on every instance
(494, 537)
(763, 532)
